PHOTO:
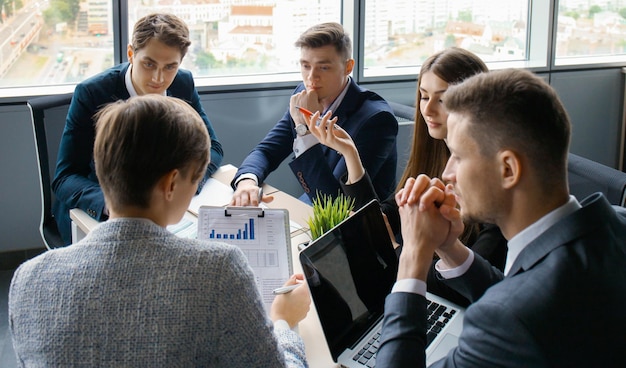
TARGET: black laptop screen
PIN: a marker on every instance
(350, 270)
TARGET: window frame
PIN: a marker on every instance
(541, 40)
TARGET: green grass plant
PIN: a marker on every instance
(328, 211)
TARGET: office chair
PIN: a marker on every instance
(405, 116)
(403, 113)
(586, 177)
(47, 132)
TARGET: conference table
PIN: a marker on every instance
(317, 352)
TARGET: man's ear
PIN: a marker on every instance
(130, 53)
(510, 168)
(349, 66)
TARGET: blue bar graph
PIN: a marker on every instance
(245, 233)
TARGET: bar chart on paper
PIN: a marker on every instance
(227, 231)
(263, 236)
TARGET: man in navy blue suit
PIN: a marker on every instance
(561, 299)
(326, 86)
(159, 43)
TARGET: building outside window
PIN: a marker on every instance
(590, 31)
(61, 42)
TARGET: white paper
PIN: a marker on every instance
(265, 240)
(214, 193)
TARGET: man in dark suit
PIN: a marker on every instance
(562, 297)
(325, 65)
(159, 43)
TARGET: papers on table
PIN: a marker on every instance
(263, 236)
(213, 193)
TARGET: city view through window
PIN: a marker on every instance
(409, 31)
(50, 42)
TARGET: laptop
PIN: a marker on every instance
(350, 270)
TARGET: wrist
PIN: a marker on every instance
(245, 181)
(414, 263)
(302, 130)
(354, 165)
(281, 324)
(453, 255)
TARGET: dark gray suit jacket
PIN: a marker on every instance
(562, 304)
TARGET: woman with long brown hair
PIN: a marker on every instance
(429, 153)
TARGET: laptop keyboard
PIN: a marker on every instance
(438, 316)
(367, 355)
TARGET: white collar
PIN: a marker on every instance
(517, 243)
(129, 83)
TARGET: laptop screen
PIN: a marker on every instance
(350, 270)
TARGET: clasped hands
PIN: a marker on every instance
(430, 221)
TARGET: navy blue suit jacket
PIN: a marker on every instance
(561, 305)
(75, 184)
(365, 116)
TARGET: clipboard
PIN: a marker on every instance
(263, 234)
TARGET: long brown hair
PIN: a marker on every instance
(429, 155)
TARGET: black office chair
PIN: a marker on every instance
(405, 115)
(586, 177)
(48, 131)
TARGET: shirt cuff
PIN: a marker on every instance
(302, 144)
(450, 273)
(413, 286)
(281, 324)
(247, 176)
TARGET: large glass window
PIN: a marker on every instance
(590, 31)
(50, 42)
(243, 37)
(54, 42)
(401, 34)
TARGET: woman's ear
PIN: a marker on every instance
(510, 168)
(167, 184)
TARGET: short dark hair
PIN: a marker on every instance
(143, 138)
(325, 34)
(166, 28)
(515, 109)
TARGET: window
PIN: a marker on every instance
(590, 31)
(51, 42)
(47, 46)
(57, 42)
(401, 34)
(243, 38)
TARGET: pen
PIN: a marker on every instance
(309, 114)
(305, 111)
(285, 289)
(260, 195)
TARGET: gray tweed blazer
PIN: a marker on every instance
(133, 294)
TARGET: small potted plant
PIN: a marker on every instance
(328, 211)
